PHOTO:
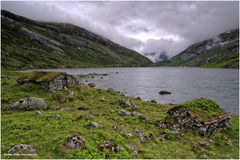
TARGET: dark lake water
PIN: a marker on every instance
(221, 85)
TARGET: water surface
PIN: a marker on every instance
(221, 85)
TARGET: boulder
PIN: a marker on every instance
(92, 85)
(164, 92)
(50, 80)
(123, 112)
(128, 103)
(75, 142)
(23, 148)
(31, 103)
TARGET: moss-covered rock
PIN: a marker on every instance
(203, 108)
(49, 80)
(202, 116)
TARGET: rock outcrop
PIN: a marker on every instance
(50, 80)
(182, 118)
(31, 103)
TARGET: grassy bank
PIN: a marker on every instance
(49, 134)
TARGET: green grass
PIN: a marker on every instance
(49, 135)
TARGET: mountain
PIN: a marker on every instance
(220, 52)
(163, 57)
(29, 44)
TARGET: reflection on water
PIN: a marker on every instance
(185, 84)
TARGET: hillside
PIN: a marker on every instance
(219, 52)
(28, 44)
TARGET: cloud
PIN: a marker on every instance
(146, 27)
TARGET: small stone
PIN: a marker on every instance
(94, 125)
(160, 124)
(128, 134)
(56, 116)
(110, 90)
(151, 136)
(204, 144)
(92, 85)
(153, 101)
(83, 108)
(124, 113)
(141, 139)
(117, 149)
(38, 113)
(115, 127)
(138, 131)
(135, 153)
(89, 115)
(163, 135)
(103, 99)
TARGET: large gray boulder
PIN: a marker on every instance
(31, 103)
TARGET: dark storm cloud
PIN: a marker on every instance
(143, 26)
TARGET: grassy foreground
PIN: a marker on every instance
(49, 134)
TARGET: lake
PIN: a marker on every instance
(220, 85)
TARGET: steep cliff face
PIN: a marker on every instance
(222, 51)
(28, 44)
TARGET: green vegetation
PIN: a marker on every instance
(28, 44)
(197, 55)
(203, 108)
(49, 134)
(41, 76)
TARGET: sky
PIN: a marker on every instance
(149, 28)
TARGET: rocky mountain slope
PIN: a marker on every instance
(222, 52)
(28, 44)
